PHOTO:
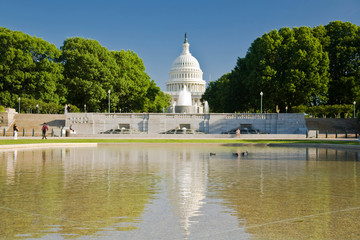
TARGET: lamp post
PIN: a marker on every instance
(19, 105)
(261, 94)
(85, 108)
(109, 101)
(354, 108)
(286, 108)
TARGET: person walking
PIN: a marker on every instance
(238, 132)
(44, 130)
(15, 128)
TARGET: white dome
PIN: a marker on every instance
(185, 61)
(186, 68)
(185, 73)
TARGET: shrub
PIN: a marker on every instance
(324, 111)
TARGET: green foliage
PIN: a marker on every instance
(326, 111)
(294, 67)
(343, 48)
(155, 100)
(289, 67)
(300, 109)
(91, 70)
(217, 94)
(2, 109)
(28, 68)
(81, 73)
(51, 108)
(132, 82)
(29, 106)
(88, 71)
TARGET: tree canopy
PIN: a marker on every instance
(342, 43)
(292, 67)
(81, 72)
(28, 69)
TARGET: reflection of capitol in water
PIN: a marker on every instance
(113, 186)
(187, 184)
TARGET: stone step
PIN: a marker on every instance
(33, 123)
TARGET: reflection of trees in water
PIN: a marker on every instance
(78, 193)
(82, 191)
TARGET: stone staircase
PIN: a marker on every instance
(30, 124)
(331, 125)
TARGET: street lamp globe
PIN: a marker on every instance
(354, 108)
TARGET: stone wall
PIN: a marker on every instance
(154, 123)
(7, 117)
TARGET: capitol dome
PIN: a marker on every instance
(185, 60)
(186, 72)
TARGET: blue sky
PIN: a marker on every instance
(218, 31)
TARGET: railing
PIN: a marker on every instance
(246, 116)
(185, 115)
(32, 133)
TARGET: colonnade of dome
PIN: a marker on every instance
(193, 87)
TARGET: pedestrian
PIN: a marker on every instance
(15, 131)
(238, 132)
(65, 109)
(44, 130)
(68, 108)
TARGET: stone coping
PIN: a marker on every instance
(171, 136)
(183, 137)
(319, 145)
(60, 145)
(46, 145)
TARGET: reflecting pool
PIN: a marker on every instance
(179, 191)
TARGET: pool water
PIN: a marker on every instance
(179, 191)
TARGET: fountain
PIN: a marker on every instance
(184, 104)
(206, 107)
(184, 97)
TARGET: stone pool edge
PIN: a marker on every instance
(54, 145)
(322, 145)
(46, 145)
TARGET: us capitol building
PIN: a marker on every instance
(186, 85)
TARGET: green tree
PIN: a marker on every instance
(132, 82)
(89, 72)
(342, 42)
(28, 69)
(156, 100)
(291, 68)
(217, 93)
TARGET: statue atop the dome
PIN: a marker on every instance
(185, 38)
